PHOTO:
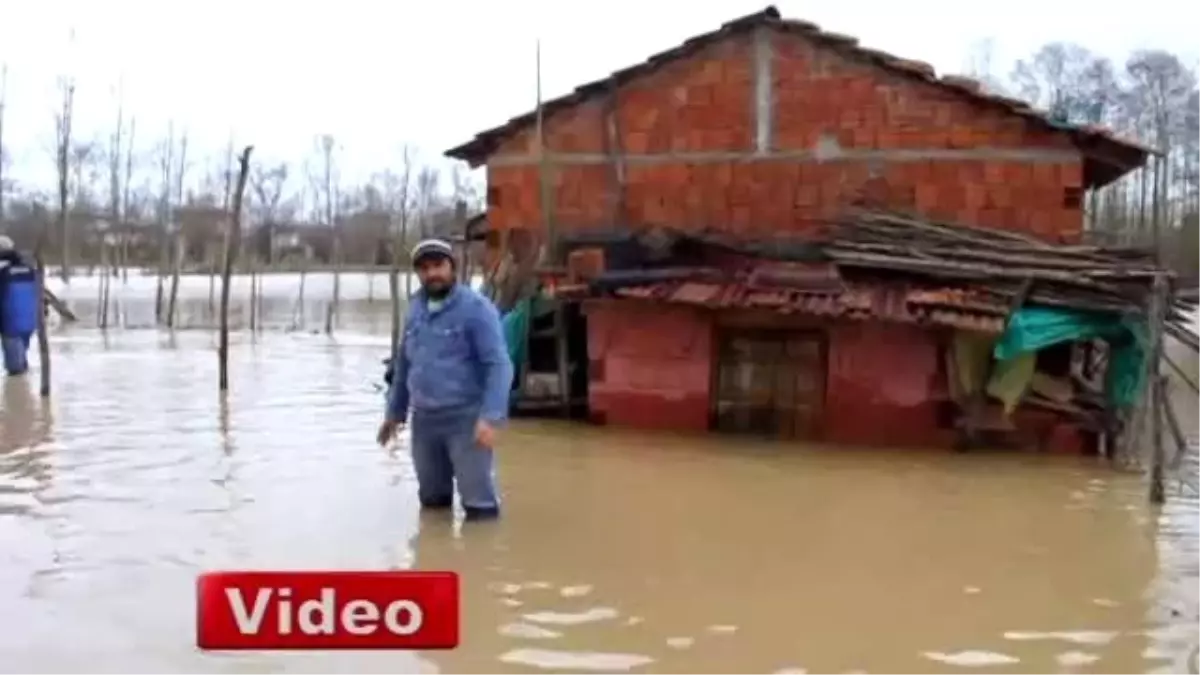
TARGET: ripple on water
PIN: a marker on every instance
(573, 618)
(575, 661)
(972, 658)
(1080, 637)
(528, 631)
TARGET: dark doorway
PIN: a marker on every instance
(770, 383)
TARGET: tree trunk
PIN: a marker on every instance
(252, 266)
(303, 278)
(164, 255)
(180, 249)
(394, 292)
(332, 310)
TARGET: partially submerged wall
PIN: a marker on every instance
(651, 367)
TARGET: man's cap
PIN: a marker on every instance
(6, 244)
(431, 248)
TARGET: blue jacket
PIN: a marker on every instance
(454, 357)
(18, 296)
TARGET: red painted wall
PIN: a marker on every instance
(652, 369)
(650, 365)
(882, 378)
(821, 98)
(656, 372)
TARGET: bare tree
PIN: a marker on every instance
(427, 197)
(397, 190)
(1063, 78)
(266, 190)
(330, 199)
(179, 238)
(3, 151)
(227, 178)
(62, 154)
(166, 161)
(980, 66)
(115, 205)
(126, 221)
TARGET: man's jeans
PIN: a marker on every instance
(444, 453)
(15, 348)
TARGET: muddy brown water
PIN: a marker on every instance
(619, 551)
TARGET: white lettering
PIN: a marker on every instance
(391, 617)
(322, 616)
(360, 617)
(285, 611)
(325, 606)
(248, 623)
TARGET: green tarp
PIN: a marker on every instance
(1033, 328)
(516, 326)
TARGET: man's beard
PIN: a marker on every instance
(436, 290)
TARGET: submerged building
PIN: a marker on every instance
(765, 130)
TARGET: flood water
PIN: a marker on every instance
(619, 551)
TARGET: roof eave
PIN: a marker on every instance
(1116, 157)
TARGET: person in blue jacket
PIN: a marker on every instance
(453, 371)
(18, 307)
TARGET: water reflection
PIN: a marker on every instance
(619, 551)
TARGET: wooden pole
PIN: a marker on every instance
(544, 168)
(233, 235)
(460, 222)
(176, 269)
(561, 347)
(42, 338)
(1156, 315)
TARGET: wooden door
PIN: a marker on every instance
(770, 383)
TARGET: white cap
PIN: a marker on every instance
(435, 247)
(6, 244)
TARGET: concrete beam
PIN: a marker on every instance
(818, 155)
(762, 102)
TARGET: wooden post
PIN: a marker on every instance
(102, 287)
(462, 266)
(42, 338)
(232, 236)
(523, 368)
(561, 348)
(176, 270)
(1153, 407)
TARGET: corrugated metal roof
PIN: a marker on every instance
(955, 308)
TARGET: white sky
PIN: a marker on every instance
(376, 74)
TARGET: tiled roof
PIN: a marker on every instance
(487, 141)
(955, 308)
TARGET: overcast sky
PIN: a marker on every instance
(376, 74)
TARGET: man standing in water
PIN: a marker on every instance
(452, 369)
(18, 307)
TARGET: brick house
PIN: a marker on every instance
(763, 128)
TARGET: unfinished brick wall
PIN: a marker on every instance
(764, 132)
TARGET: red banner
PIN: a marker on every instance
(327, 610)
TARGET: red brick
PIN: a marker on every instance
(704, 104)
